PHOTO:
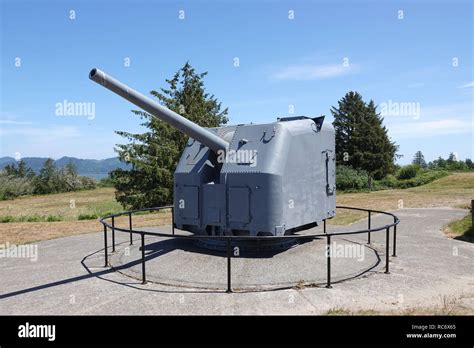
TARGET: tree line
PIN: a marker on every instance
(17, 179)
(451, 163)
(365, 155)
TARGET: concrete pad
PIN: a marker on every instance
(69, 278)
(181, 263)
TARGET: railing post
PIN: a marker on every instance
(105, 247)
(324, 224)
(172, 221)
(472, 212)
(113, 234)
(130, 227)
(369, 226)
(229, 275)
(387, 249)
(394, 241)
(143, 259)
(328, 261)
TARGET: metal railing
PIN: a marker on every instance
(229, 239)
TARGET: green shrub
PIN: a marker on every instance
(7, 218)
(85, 216)
(106, 182)
(11, 187)
(408, 172)
(30, 218)
(87, 183)
(390, 181)
(52, 218)
(349, 179)
(423, 178)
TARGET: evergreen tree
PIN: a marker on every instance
(440, 162)
(21, 170)
(452, 158)
(71, 169)
(155, 153)
(469, 163)
(11, 170)
(419, 159)
(47, 179)
(362, 140)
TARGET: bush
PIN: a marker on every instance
(30, 218)
(423, 178)
(87, 183)
(106, 182)
(390, 181)
(11, 187)
(86, 216)
(52, 218)
(7, 218)
(60, 181)
(408, 172)
(349, 179)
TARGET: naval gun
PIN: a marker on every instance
(248, 179)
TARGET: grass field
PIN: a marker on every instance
(68, 207)
(461, 229)
(455, 190)
(447, 305)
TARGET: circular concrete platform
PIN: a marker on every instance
(179, 262)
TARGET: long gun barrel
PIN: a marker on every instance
(181, 123)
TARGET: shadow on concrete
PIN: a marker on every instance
(156, 249)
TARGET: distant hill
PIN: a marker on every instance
(85, 167)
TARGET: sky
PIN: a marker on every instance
(265, 59)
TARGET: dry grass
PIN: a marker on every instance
(461, 229)
(28, 232)
(447, 305)
(67, 205)
(101, 200)
(455, 190)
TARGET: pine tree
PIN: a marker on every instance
(469, 163)
(362, 140)
(46, 181)
(419, 159)
(21, 170)
(155, 153)
(350, 109)
(452, 158)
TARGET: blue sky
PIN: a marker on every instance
(416, 56)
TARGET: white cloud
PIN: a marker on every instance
(312, 72)
(10, 118)
(430, 128)
(14, 122)
(467, 85)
